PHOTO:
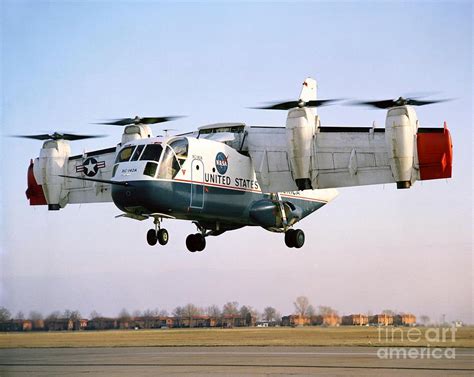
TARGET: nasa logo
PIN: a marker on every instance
(221, 163)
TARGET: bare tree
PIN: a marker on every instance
(311, 311)
(95, 315)
(424, 319)
(231, 308)
(20, 315)
(213, 311)
(124, 315)
(178, 312)
(301, 305)
(269, 314)
(54, 315)
(71, 314)
(163, 313)
(35, 316)
(136, 314)
(5, 314)
(326, 310)
(388, 312)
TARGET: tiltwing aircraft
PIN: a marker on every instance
(230, 175)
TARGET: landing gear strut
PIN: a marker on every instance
(157, 235)
(294, 238)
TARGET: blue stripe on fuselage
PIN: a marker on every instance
(174, 198)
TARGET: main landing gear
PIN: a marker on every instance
(197, 242)
(294, 238)
(157, 235)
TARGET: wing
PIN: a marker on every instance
(96, 165)
(340, 157)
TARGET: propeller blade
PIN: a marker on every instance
(59, 136)
(139, 120)
(389, 103)
(292, 104)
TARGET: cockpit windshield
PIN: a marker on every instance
(173, 159)
(152, 152)
(125, 154)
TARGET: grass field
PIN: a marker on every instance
(283, 336)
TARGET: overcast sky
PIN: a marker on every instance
(67, 64)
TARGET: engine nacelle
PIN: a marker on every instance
(400, 135)
(51, 163)
(135, 132)
(300, 129)
(268, 214)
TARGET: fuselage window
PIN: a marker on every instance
(137, 153)
(152, 152)
(125, 154)
(169, 166)
(180, 148)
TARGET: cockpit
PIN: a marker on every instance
(167, 163)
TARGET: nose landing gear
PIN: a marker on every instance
(294, 238)
(157, 235)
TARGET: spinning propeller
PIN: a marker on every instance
(58, 136)
(300, 103)
(389, 103)
(139, 120)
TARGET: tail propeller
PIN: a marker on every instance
(58, 136)
(389, 103)
(292, 104)
(139, 120)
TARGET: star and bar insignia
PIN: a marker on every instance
(90, 167)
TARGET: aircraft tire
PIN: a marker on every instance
(200, 242)
(191, 243)
(163, 236)
(289, 239)
(298, 238)
(151, 237)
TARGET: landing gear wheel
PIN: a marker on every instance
(294, 238)
(163, 237)
(298, 238)
(151, 237)
(289, 238)
(195, 242)
(201, 242)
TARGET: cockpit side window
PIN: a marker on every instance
(169, 166)
(173, 159)
(152, 152)
(125, 154)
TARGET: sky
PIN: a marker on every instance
(67, 64)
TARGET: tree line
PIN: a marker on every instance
(302, 306)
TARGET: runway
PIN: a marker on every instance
(224, 361)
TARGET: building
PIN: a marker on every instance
(294, 320)
(59, 324)
(404, 320)
(381, 320)
(16, 325)
(355, 320)
(331, 319)
(102, 323)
